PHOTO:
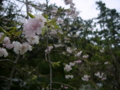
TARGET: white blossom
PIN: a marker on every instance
(40, 17)
(72, 63)
(59, 21)
(49, 48)
(102, 50)
(106, 62)
(53, 32)
(33, 40)
(24, 48)
(21, 48)
(85, 56)
(67, 68)
(3, 52)
(69, 50)
(7, 43)
(69, 76)
(99, 75)
(78, 54)
(85, 78)
(58, 45)
(16, 46)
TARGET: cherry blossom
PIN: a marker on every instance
(49, 48)
(33, 40)
(69, 76)
(78, 54)
(7, 43)
(69, 50)
(85, 78)
(85, 56)
(67, 68)
(3, 52)
(21, 48)
(72, 63)
(33, 26)
(78, 61)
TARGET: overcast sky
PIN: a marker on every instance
(88, 7)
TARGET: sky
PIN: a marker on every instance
(87, 8)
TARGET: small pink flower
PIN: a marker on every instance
(78, 61)
(65, 87)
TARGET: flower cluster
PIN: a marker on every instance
(31, 29)
(72, 11)
(69, 76)
(21, 48)
(85, 78)
(100, 75)
(67, 68)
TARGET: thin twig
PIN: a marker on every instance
(4, 78)
(12, 72)
(7, 60)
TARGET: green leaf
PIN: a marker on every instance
(2, 30)
(43, 30)
(1, 39)
(18, 33)
(32, 16)
(55, 63)
(46, 16)
(13, 29)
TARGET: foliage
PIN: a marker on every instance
(69, 53)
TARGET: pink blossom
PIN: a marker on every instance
(65, 87)
(78, 61)
(104, 78)
(33, 26)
